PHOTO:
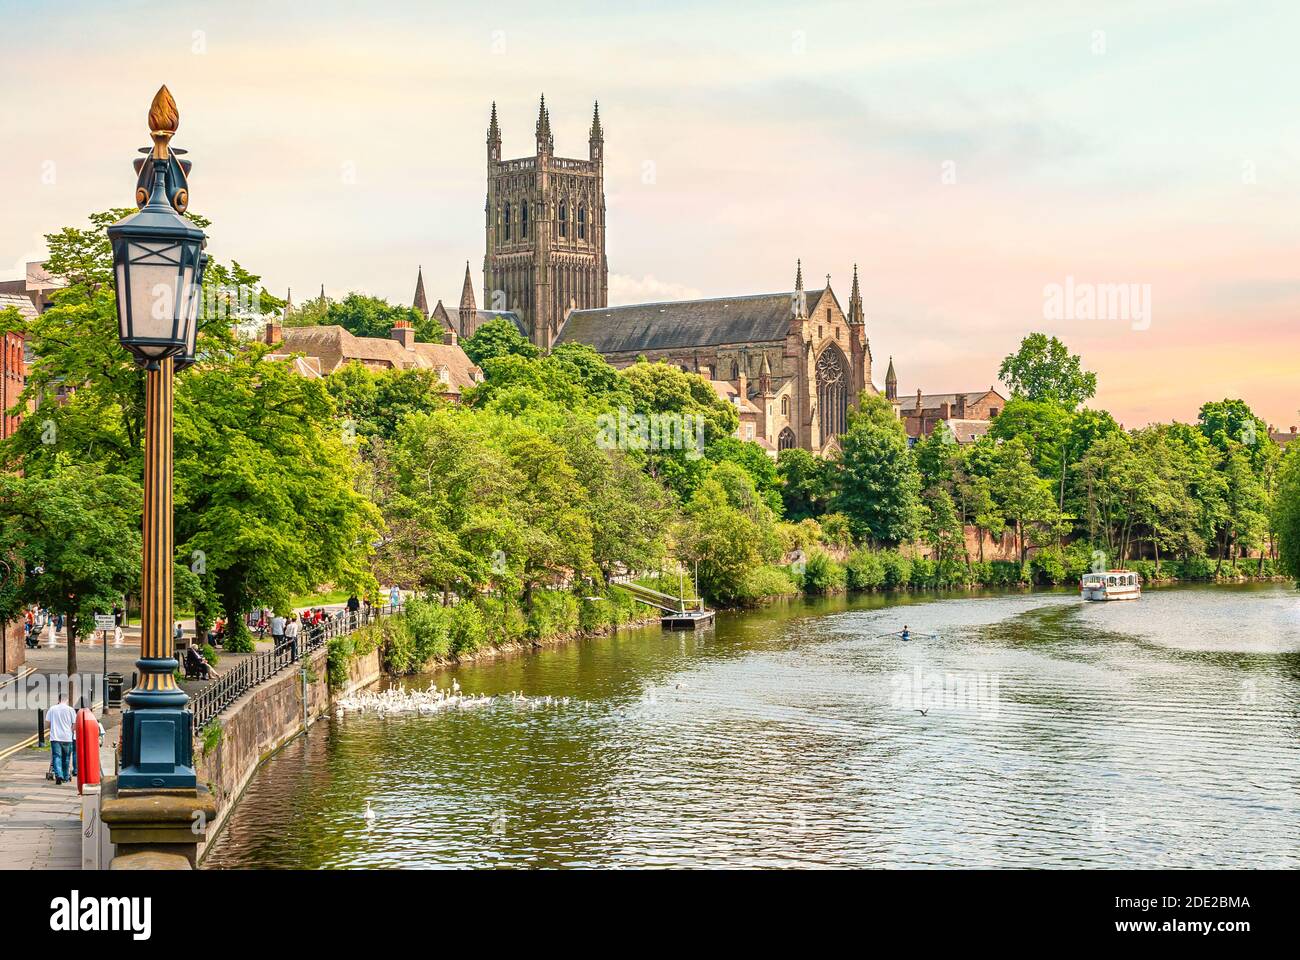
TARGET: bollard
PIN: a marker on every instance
(40, 726)
(92, 829)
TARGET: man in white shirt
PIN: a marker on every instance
(277, 629)
(63, 721)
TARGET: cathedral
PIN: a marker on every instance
(793, 362)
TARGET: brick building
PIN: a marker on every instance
(13, 363)
(319, 351)
(968, 414)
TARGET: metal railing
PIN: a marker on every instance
(229, 687)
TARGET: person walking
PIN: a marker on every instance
(63, 721)
(277, 630)
(291, 631)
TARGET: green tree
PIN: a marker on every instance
(1286, 514)
(76, 536)
(878, 485)
(497, 338)
(807, 483)
(364, 316)
(1023, 498)
(1043, 369)
(940, 526)
(266, 499)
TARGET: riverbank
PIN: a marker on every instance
(1056, 734)
(229, 751)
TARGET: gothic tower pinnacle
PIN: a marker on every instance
(494, 136)
(468, 308)
(597, 138)
(545, 142)
(855, 300)
(421, 302)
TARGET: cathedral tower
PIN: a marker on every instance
(545, 230)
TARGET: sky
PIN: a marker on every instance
(974, 159)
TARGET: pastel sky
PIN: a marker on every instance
(966, 155)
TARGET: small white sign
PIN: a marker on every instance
(105, 621)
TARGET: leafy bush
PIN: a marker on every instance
(554, 613)
(338, 653)
(430, 626)
(898, 569)
(209, 653)
(1196, 568)
(923, 572)
(822, 574)
(467, 630)
(865, 570)
(765, 583)
(1047, 566)
(503, 620)
(238, 639)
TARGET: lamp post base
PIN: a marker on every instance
(156, 830)
(157, 750)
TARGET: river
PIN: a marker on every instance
(1161, 733)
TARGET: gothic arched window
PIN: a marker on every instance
(564, 219)
(506, 222)
(523, 221)
(785, 406)
(785, 440)
(582, 223)
(832, 391)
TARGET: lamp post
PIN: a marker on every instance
(158, 263)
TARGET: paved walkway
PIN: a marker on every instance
(40, 823)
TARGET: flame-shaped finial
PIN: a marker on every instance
(164, 118)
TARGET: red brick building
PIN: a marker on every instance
(13, 363)
(968, 414)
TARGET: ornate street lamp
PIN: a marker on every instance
(158, 262)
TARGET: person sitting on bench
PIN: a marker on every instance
(196, 667)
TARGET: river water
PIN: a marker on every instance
(1162, 733)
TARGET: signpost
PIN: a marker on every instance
(107, 623)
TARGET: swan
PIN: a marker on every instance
(369, 814)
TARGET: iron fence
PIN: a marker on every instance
(229, 687)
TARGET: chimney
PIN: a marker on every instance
(961, 406)
(946, 411)
(449, 337)
(1293, 431)
(404, 334)
(274, 332)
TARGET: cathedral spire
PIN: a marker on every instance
(855, 300)
(891, 382)
(288, 302)
(420, 302)
(467, 291)
(597, 139)
(799, 299)
(545, 143)
(494, 135)
(468, 308)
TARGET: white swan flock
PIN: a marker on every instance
(396, 701)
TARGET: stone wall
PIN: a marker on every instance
(264, 720)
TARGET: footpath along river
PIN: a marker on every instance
(1161, 733)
